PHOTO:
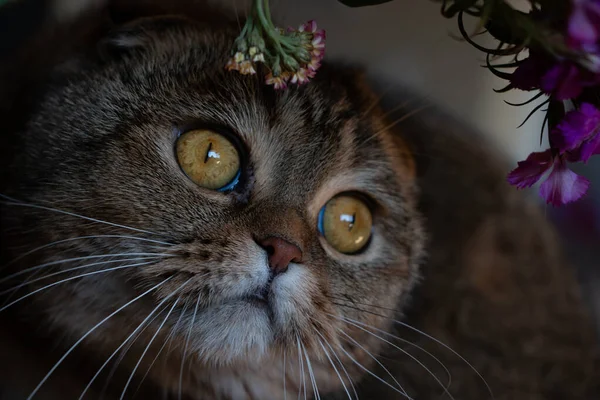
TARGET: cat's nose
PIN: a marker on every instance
(281, 253)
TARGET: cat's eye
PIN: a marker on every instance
(346, 223)
(209, 159)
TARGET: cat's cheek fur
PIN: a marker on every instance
(292, 293)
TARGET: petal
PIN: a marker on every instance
(310, 26)
(576, 127)
(581, 29)
(530, 171)
(527, 75)
(563, 81)
(232, 65)
(563, 185)
(589, 110)
(589, 148)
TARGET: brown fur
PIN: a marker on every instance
(93, 134)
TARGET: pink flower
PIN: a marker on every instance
(561, 186)
(309, 26)
(232, 65)
(301, 76)
(278, 82)
(246, 67)
(317, 40)
(293, 55)
(314, 64)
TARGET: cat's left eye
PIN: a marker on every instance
(209, 159)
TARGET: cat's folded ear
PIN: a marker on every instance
(402, 150)
(137, 35)
(139, 25)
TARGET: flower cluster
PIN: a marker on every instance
(562, 39)
(292, 56)
(571, 81)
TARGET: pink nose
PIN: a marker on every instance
(281, 253)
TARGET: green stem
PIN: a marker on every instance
(280, 42)
(262, 10)
(291, 46)
(268, 12)
(246, 27)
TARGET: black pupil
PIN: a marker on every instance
(351, 223)
(207, 152)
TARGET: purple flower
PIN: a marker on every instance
(530, 171)
(578, 133)
(560, 187)
(528, 75)
(584, 25)
(562, 80)
(563, 185)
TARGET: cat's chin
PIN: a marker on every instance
(227, 333)
(253, 326)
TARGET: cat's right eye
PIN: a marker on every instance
(209, 159)
(346, 223)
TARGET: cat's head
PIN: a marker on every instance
(262, 222)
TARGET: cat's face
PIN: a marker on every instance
(247, 273)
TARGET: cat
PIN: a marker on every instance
(320, 251)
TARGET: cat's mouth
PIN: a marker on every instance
(258, 300)
(265, 291)
(264, 296)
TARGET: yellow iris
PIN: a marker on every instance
(208, 158)
(346, 223)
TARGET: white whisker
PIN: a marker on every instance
(301, 370)
(401, 105)
(15, 291)
(66, 260)
(167, 339)
(70, 279)
(341, 365)
(451, 350)
(404, 117)
(81, 238)
(72, 348)
(187, 342)
(153, 338)
(378, 363)
(125, 346)
(403, 351)
(16, 203)
(64, 271)
(349, 320)
(335, 368)
(311, 374)
(124, 352)
(284, 389)
(371, 373)
(427, 336)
